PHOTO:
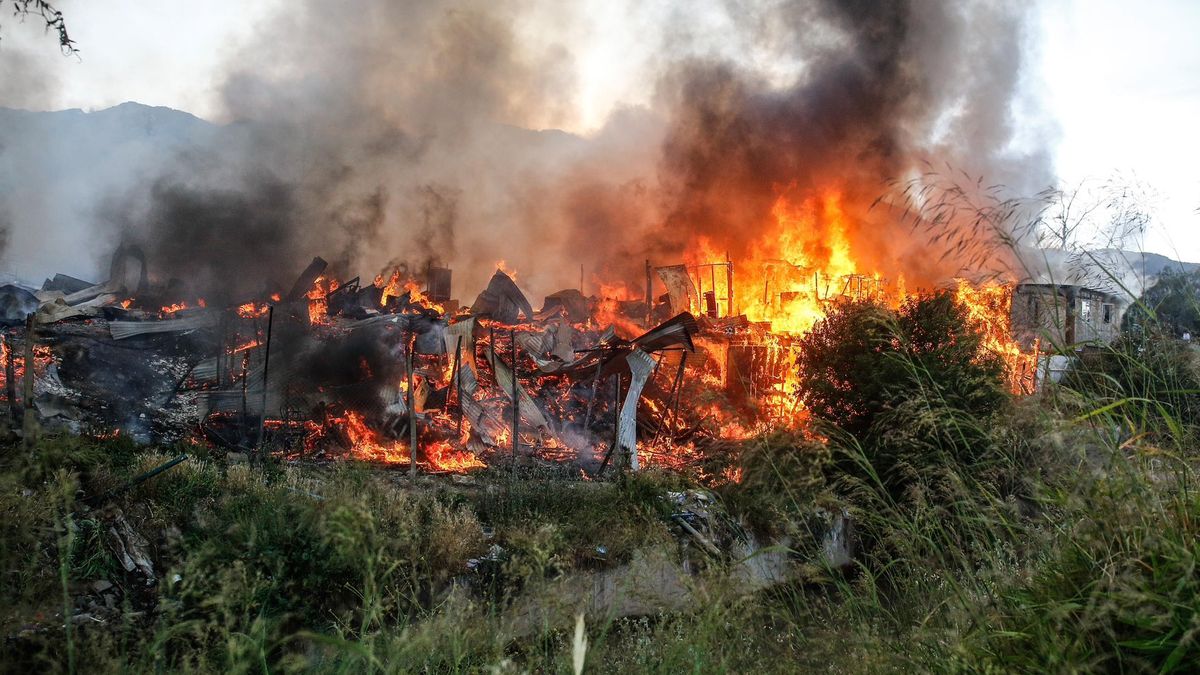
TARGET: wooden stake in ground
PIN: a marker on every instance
(10, 384)
(516, 399)
(30, 426)
(412, 416)
(262, 417)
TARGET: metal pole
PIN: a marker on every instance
(516, 399)
(262, 418)
(712, 273)
(729, 281)
(412, 417)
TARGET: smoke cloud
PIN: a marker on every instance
(376, 134)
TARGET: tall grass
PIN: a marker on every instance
(1056, 533)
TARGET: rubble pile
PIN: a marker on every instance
(393, 371)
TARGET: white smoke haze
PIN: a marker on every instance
(375, 133)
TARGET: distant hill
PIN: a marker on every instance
(1121, 273)
(58, 170)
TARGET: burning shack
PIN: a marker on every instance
(1064, 316)
(397, 372)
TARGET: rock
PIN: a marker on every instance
(837, 544)
(101, 585)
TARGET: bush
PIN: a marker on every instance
(1149, 383)
(864, 359)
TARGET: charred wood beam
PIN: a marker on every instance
(30, 426)
(262, 419)
(306, 279)
(10, 375)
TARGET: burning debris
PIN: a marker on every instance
(396, 372)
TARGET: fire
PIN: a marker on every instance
(241, 348)
(608, 312)
(617, 291)
(803, 261)
(395, 286)
(442, 456)
(171, 309)
(502, 265)
(251, 310)
(126, 303)
(365, 443)
(989, 307)
(318, 299)
(42, 358)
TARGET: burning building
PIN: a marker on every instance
(710, 226)
(1065, 316)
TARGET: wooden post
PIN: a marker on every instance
(516, 399)
(616, 446)
(10, 375)
(587, 418)
(649, 296)
(675, 384)
(454, 374)
(220, 348)
(617, 426)
(245, 381)
(412, 416)
(30, 422)
(673, 407)
(457, 383)
(262, 417)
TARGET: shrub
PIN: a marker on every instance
(863, 360)
(1149, 383)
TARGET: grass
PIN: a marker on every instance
(1058, 533)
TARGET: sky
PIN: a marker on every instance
(1118, 83)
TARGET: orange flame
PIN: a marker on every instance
(251, 310)
(443, 456)
(318, 299)
(42, 358)
(989, 308)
